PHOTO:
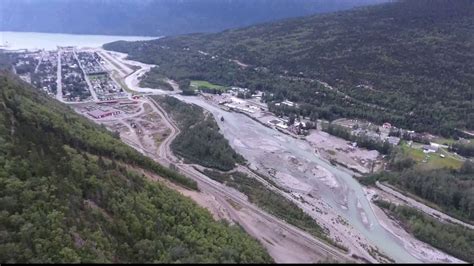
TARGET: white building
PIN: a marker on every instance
(288, 103)
(430, 148)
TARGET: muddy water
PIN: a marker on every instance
(270, 149)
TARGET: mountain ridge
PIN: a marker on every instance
(154, 17)
(390, 55)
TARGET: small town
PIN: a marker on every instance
(433, 151)
(85, 76)
(69, 74)
(237, 132)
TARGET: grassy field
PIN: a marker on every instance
(444, 141)
(202, 83)
(432, 160)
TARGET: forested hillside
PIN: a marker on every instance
(199, 140)
(409, 62)
(154, 17)
(69, 194)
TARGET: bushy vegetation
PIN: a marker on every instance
(199, 140)
(204, 84)
(464, 149)
(406, 62)
(155, 81)
(272, 202)
(452, 190)
(454, 239)
(69, 194)
(362, 141)
(68, 127)
(6, 60)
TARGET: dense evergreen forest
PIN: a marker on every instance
(464, 149)
(199, 140)
(453, 239)
(70, 193)
(408, 62)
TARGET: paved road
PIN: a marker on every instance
(422, 207)
(121, 68)
(39, 63)
(91, 88)
(284, 242)
(223, 194)
(59, 82)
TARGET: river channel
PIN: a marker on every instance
(268, 148)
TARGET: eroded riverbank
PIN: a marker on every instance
(325, 191)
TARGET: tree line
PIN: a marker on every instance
(199, 140)
(362, 140)
(453, 239)
(449, 189)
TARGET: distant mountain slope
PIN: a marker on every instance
(68, 194)
(154, 17)
(408, 62)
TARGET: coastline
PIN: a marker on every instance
(34, 41)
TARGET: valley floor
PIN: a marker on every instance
(147, 128)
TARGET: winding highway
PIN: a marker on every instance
(284, 242)
(223, 194)
(422, 207)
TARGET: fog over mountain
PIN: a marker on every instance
(155, 17)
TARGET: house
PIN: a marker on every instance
(282, 125)
(257, 94)
(300, 124)
(97, 114)
(430, 148)
(387, 125)
(128, 102)
(239, 89)
(288, 103)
